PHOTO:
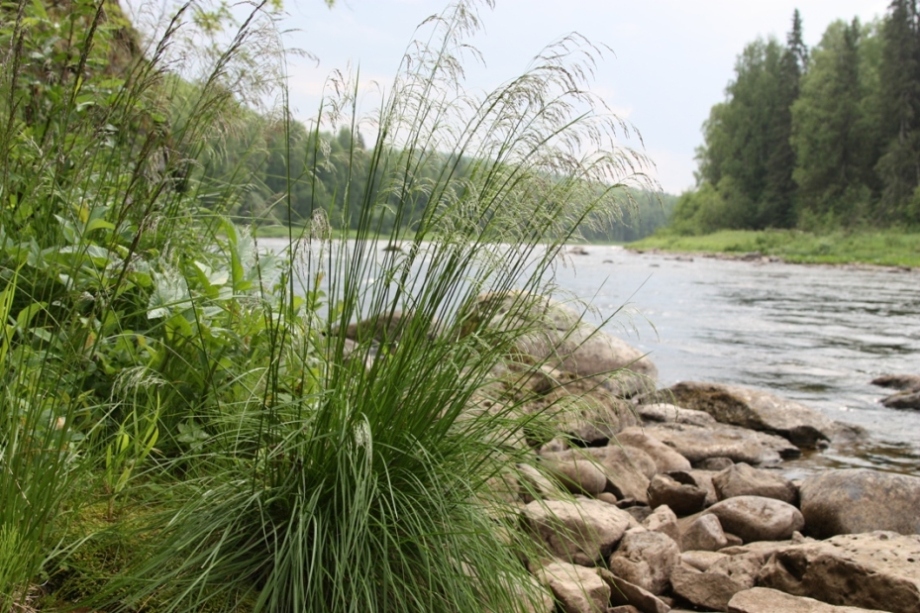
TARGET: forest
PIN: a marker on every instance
(820, 139)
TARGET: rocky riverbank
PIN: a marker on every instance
(652, 500)
(674, 499)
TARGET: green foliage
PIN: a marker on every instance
(190, 401)
(821, 140)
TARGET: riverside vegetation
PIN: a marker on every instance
(813, 154)
(183, 424)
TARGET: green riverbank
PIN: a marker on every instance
(880, 248)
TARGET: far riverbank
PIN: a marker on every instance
(887, 248)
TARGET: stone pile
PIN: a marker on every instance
(675, 499)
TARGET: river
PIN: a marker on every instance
(814, 334)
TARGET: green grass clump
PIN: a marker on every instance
(183, 424)
(877, 247)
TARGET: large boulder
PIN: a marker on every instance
(557, 334)
(581, 531)
(754, 518)
(581, 407)
(744, 480)
(858, 500)
(697, 443)
(876, 570)
(682, 495)
(627, 470)
(765, 600)
(755, 410)
(578, 589)
(666, 459)
(646, 559)
(626, 594)
(707, 590)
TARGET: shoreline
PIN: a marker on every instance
(757, 257)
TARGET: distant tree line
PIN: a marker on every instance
(292, 171)
(817, 139)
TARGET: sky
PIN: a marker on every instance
(671, 60)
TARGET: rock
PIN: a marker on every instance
(754, 518)
(580, 531)
(903, 400)
(899, 382)
(608, 498)
(659, 412)
(578, 589)
(765, 600)
(580, 475)
(626, 608)
(534, 485)
(645, 559)
(640, 513)
(580, 407)
(703, 480)
(666, 459)
(682, 498)
(755, 410)
(715, 464)
(877, 570)
(663, 520)
(742, 568)
(626, 470)
(719, 440)
(744, 480)
(711, 591)
(851, 501)
(704, 533)
(624, 593)
(701, 560)
(562, 339)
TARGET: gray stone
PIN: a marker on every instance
(623, 593)
(579, 474)
(665, 458)
(754, 518)
(877, 570)
(708, 590)
(903, 400)
(663, 520)
(765, 600)
(659, 412)
(755, 410)
(858, 500)
(682, 498)
(701, 560)
(626, 470)
(744, 480)
(697, 443)
(580, 531)
(562, 339)
(645, 559)
(704, 533)
(578, 589)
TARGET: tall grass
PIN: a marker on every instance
(305, 470)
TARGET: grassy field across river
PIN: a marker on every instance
(883, 248)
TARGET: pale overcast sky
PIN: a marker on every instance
(673, 58)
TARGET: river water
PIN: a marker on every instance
(813, 334)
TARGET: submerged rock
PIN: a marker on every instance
(756, 410)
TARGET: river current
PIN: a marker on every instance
(814, 334)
